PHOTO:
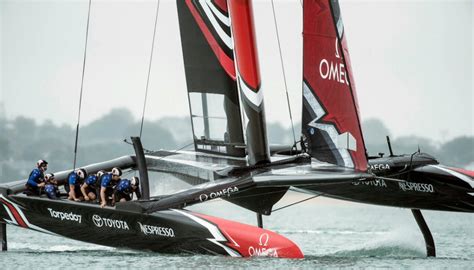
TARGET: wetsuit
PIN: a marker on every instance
(36, 177)
(74, 180)
(51, 191)
(91, 182)
(124, 190)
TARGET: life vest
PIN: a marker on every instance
(35, 178)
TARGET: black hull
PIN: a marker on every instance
(170, 231)
(419, 195)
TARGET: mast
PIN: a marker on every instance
(248, 79)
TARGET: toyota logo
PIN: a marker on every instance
(97, 221)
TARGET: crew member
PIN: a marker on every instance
(36, 178)
(51, 186)
(107, 184)
(89, 188)
(73, 187)
(125, 189)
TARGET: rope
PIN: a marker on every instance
(284, 74)
(151, 151)
(179, 149)
(149, 66)
(267, 193)
(82, 86)
(291, 204)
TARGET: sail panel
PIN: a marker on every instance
(208, 55)
(331, 127)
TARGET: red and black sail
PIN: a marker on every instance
(220, 58)
(331, 126)
(248, 77)
(208, 54)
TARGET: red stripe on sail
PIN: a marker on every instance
(327, 69)
(221, 4)
(359, 156)
(244, 42)
(226, 62)
(15, 213)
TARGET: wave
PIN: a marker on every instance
(394, 251)
(328, 231)
(30, 247)
(400, 242)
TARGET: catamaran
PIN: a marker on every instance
(232, 159)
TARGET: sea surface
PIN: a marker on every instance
(331, 234)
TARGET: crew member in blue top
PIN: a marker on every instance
(89, 188)
(73, 187)
(107, 184)
(36, 178)
(125, 189)
(51, 186)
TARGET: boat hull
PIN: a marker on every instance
(423, 193)
(170, 231)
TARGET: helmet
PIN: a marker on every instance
(81, 173)
(100, 173)
(135, 181)
(41, 163)
(117, 171)
(49, 177)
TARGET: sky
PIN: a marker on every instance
(412, 61)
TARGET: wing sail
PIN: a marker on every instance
(331, 127)
(210, 76)
(248, 76)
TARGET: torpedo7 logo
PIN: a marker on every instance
(333, 70)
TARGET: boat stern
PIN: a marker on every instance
(242, 240)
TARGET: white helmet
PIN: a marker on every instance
(41, 163)
(100, 173)
(117, 171)
(81, 173)
(135, 181)
(49, 177)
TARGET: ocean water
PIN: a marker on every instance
(331, 234)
